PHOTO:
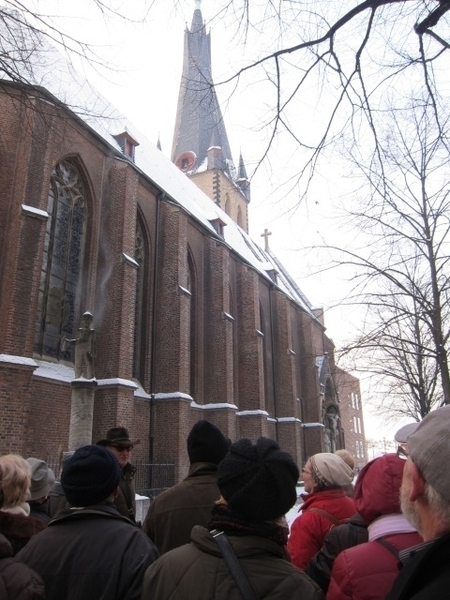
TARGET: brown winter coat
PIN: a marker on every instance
(173, 514)
(17, 581)
(19, 528)
(198, 570)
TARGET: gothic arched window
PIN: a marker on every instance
(192, 327)
(61, 263)
(141, 255)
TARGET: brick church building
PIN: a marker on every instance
(192, 319)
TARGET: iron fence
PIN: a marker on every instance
(150, 478)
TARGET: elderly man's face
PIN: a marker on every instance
(122, 453)
(409, 508)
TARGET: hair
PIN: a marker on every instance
(346, 457)
(438, 505)
(15, 480)
(320, 486)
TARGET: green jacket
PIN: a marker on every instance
(197, 570)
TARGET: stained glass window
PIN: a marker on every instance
(61, 263)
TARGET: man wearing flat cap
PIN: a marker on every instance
(425, 501)
(174, 512)
(90, 551)
(119, 443)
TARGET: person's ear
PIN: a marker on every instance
(418, 483)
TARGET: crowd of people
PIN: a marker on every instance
(222, 533)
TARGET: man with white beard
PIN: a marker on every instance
(425, 501)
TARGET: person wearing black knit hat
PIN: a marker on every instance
(90, 551)
(174, 512)
(257, 483)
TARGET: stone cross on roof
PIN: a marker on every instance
(265, 235)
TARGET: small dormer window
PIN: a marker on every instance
(127, 144)
(273, 274)
(218, 225)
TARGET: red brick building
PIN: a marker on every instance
(352, 415)
(192, 319)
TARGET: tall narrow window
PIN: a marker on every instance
(141, 255)
(61, 263)
(192, 327)
(234, 348)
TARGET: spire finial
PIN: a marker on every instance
(198, 4)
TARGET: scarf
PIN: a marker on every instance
(231, 524)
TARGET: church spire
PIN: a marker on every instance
(199, 123)
(242, 178)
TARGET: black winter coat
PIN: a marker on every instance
(90, 553)
(426, 576)
(17, 581)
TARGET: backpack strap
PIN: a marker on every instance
(392, 549)
(244, 585)
(325, 514)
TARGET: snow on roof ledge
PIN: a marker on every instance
(12, 359)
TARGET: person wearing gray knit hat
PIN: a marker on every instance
(325, 504)
(425, 501)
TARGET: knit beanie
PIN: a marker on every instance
(330, 470)
(42, 478)
(258, 481)
(90, 475)
(377, 490)
(206, 443)
(429, 449)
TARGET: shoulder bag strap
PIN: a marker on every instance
(244, 585)
(392, 549)
(325, 514)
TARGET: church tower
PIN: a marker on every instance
(200, 142)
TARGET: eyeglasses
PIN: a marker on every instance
(402, 452)
(123, 448)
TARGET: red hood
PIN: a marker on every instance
(377, 491)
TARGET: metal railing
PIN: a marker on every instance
(150, 478)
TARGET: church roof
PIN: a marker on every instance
(46, 69)
(199, 123)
